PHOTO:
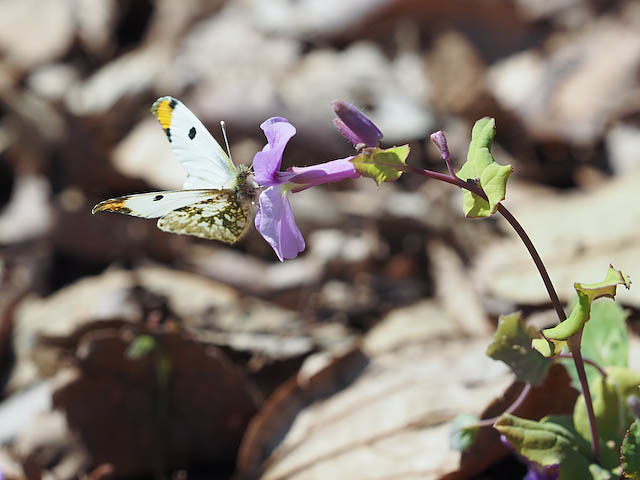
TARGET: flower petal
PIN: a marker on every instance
(276, 223)
(327, 172)
(354, 125)
(266, 164)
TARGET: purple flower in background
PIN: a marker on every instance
(355, 127)
(274, 219)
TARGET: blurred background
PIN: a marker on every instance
(127, 352)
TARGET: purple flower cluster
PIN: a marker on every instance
(274, 219)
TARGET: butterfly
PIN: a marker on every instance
(216, 199)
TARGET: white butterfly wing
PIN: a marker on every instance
(206, 163)
(220, 217)
(154, 204)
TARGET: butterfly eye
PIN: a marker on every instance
(192, 133)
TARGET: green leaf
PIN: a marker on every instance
(633, 402)
(481, 168)
(546, 443)
(611, 410)
(625, 380)
(141, 346)
(587, 293)
(607, 287)
(574, 321)
(546, 349)
(566, 421)
(464, 429)
(379, 164)
(630, 452)
(512, 345)
(599, 473)
(605, 340)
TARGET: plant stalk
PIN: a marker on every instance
(574, 342)
(574, 345)
(586, 361)
(514, 224)
(536, 259)
(487, 422)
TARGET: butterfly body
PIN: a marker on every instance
(217, 196)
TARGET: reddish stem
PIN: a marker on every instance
(574, 347)
(574, 342)
(512, 221)
(512, 408)
(585, 360)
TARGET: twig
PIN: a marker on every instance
(574, 347)
(512, 408)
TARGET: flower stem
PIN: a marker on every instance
(487, 422)
(574, 347)
(585, 360)
(574, 342)
(512, 221)
(536, 259)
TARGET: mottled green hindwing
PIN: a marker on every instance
(222, 216)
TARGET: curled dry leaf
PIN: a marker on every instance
(129, 417)
(385, 413)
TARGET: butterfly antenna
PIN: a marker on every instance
(226, 140)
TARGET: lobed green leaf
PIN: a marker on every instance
(482, 169)
(599, 473)
(547, 443)
(512, 345)
(612, 412)
(607, 287)
(630, 452)
(587, 293)
(464, 429)
(547, 349)
(379, 164)
(605, 340)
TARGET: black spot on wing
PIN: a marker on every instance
(192, 133)
(173, 103)
(158, 197)
(168, 132)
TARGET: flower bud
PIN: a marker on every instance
(441, 142)
(354, 126)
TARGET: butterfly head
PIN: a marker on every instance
(246, 188)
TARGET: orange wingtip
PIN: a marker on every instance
(112, 205)
(163, 110)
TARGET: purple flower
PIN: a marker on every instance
(276, 224)
(274, 219)
(355, 127)
(536, 472)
